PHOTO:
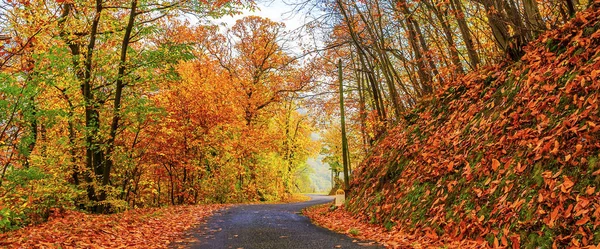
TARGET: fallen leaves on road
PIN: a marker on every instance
(342, 221)
(138, 228)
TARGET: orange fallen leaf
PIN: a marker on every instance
(590, 190)
(578, 147)
(554, 151)
(565, 187)
(554, 216)
(582, 221)
(495, 164)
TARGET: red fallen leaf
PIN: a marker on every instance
(503, 241)
(495, 164)
(578, 147)
(565, 187)
(431, 235)
(590, 190)
(554, 151)
(549, 87)
(450, 166)
(567, 213)
(519, 168)
(582, 221)
(553, 216)
(516, 241)
(131, 229)
(574, 242)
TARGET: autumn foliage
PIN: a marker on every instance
(505, 156)
(140, 228)
(137, 108)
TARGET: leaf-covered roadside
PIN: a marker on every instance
(343, 221)
(508, 154)
(138, 228)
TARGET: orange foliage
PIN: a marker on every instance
(342, 221)
(505, 156)
(139, 228)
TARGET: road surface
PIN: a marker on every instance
(270, 226)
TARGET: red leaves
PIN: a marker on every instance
(140, 228)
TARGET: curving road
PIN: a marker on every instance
(269, 226)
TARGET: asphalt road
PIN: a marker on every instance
(270, 226)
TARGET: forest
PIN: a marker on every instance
(430, 113)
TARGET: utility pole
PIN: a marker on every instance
(345, 154)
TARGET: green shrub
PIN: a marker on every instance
(28, 195)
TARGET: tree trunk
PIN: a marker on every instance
(497, 24)
(465, 32)
(449, 37)
(533, 18)
(345, 155)
(571, 7)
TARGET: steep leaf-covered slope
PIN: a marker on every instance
(507, 154)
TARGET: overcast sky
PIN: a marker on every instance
(275, 10)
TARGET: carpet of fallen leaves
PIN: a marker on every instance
(342, 221)
(508, 154)
(138, 228)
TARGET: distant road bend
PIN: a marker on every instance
(270, 226)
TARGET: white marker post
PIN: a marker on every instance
(340, 197)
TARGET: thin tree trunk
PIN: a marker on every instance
(345, 155)
(449, 37)
(533, 17)
(571, 7)
(118, 96)
(465, 32)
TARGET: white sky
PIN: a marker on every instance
(275, 10)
